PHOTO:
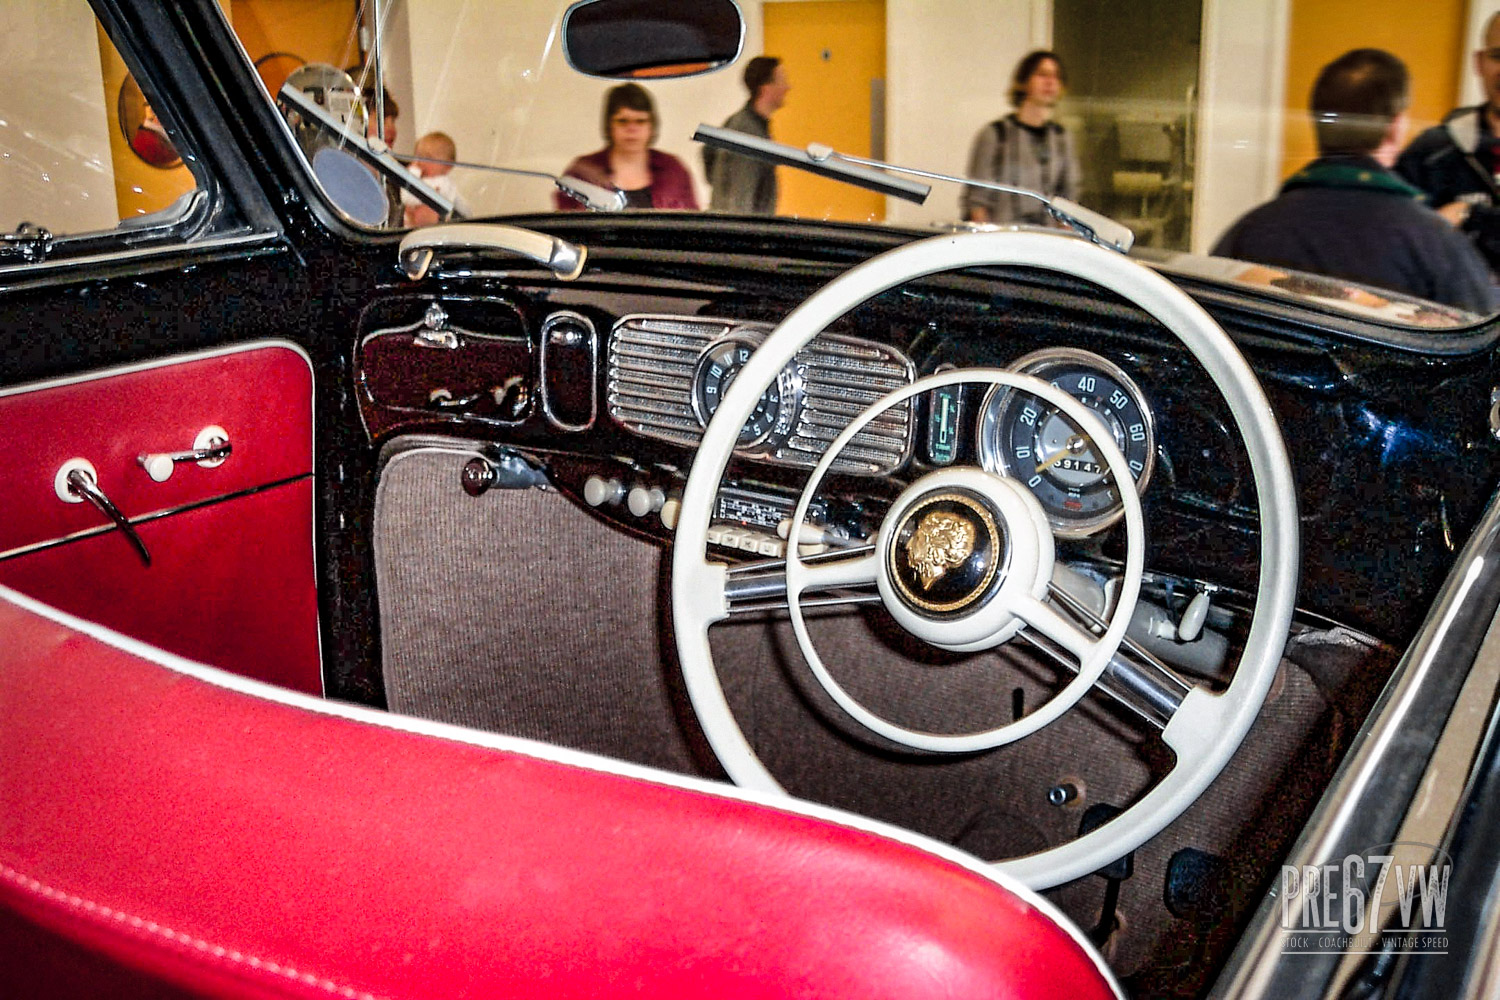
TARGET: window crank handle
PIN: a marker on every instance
(82, 484)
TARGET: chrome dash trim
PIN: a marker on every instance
(591, 334)
(649, 390)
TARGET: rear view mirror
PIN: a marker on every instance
(633, 39)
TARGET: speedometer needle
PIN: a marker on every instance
(1072, 446)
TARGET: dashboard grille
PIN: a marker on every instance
(650, 390)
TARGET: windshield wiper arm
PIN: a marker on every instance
(871, 174)
(591, 196)
(600, 199)
(775, 152)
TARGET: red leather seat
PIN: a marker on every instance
(235, 840)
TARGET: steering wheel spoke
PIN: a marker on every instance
(1052, 623)
(843, 576)
(849, 568)
(1133, 679)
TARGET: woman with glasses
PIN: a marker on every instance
(648, 177)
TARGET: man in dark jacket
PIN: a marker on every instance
(742, 184)
(1458, 162)
(1346, 214)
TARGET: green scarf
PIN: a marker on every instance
(1363, 174)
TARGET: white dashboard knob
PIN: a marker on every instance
(1191, 626)
(645, 500)
(669, 512)
(810, 534)
(598, 491)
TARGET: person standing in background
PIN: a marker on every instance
(1025, 149)
(740, 184)
(1346, 214)
(1457, 163)
(649, 178)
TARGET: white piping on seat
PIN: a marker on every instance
(151, 929)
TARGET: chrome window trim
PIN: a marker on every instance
(139, 253)
(1379, 783)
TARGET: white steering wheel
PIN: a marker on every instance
(964, 556)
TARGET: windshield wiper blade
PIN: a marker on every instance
(595, 197)
(871, 174)
(1099, 228)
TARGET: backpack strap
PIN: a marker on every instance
(1002, 132)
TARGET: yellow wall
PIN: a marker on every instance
(315, 30)
(832, 50)
(1428, 36)
(139, 187)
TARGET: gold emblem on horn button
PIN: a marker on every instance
(948, 554)
(941, 542)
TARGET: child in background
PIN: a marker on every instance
(432, 146)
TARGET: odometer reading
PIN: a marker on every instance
(1025, 438)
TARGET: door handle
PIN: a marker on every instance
(210, 449)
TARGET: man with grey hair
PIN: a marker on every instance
(1346, 214)
(1457, 163)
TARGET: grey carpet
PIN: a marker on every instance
(520, 612)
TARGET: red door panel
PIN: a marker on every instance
(261, 395)
(231, 580)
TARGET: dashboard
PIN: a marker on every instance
(606, 387)
(666, 375)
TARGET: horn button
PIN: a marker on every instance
(948, 553)
(959, 548)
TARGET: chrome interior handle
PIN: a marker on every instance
(82, 484)
(420, 246)
(210, 449)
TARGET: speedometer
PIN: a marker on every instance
(1024, 438)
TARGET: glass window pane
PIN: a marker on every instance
(81, 148)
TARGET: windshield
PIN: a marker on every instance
(1188, 122)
